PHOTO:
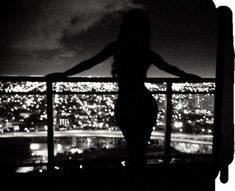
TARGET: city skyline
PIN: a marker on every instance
(84, 124)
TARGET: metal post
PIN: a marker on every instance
(50, 131)
(167, 146)
(223, 143)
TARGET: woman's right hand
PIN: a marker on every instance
(55, 76)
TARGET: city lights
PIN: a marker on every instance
(77, 109)
(76, 150)
(178, 124)
(123, 163)
(34, 146)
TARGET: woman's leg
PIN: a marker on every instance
(137, 142)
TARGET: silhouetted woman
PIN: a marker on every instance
(135, 108)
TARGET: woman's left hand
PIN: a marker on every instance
(191, 77)
(54, 76)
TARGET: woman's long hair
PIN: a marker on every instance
(134, 32)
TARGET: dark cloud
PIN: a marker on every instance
(52, 35)
(183, 32)
(95, 20)
(43, 21)
(33, 30)
(95, 37)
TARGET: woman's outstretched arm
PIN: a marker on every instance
(87, 64)
(161, 64)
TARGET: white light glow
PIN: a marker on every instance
(76, 150)
(25, 169)
(123, 163)
(59, 148)
(34, 146)
(179, 106)
(178, 124)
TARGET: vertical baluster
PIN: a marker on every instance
(50, 132)
(168, 124)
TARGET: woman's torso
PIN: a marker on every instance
(130, 66)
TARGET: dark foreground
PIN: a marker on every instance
(196, 176)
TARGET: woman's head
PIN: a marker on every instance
(134, 28)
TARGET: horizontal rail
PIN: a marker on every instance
(104, 92)
(98, 79)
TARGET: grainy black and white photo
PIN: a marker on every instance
(116, 94)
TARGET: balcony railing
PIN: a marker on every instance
(75, 115)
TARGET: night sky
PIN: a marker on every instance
(38, 37)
